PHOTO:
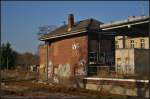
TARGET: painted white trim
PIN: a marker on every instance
(113, 27)
(132, 19)
(116, 79)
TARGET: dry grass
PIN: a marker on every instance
(17, 74)
(35, 87)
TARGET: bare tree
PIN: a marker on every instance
(26, 59)
(45, 29)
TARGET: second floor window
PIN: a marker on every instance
(142, 43)
(131, 43)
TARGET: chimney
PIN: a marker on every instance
(70, 21)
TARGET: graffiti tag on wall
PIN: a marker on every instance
(81, 70)
(42, 72)
(75, 46)
(123, 66)
(50, 68)
(63, 70)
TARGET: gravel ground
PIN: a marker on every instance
(25, 90)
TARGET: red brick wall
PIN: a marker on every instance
(42, 54)
(42, 61)
(69, 51)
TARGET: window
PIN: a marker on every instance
(92, 57)
(116, 44)
(142, 43)
(131, 43)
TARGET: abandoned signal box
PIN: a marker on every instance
(83, 48)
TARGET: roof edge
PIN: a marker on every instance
(63, 35)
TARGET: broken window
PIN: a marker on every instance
(142, 43)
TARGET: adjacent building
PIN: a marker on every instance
(132, 44)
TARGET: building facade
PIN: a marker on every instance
(132, 42)
(79, 49)
(75, 50)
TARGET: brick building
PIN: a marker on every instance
(75, 49)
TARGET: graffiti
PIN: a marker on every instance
(107, 58)
(42, 72)
(55, 79)
(64, 70)
(50, 66)
(41, 66)
(82, 68)
(82, 62)
(75, 46)
(81, 71)
(123, 66)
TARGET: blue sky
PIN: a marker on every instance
(20, 20)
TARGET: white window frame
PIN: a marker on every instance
(132, 45)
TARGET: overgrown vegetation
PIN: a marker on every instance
(18, 75)
(11, 58)
(8, 56)
(32, 89)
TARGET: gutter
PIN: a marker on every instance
(63, 35)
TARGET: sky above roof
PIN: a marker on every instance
(20, 21)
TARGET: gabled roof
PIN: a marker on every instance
(79, 27)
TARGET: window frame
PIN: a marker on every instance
(132, 44)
